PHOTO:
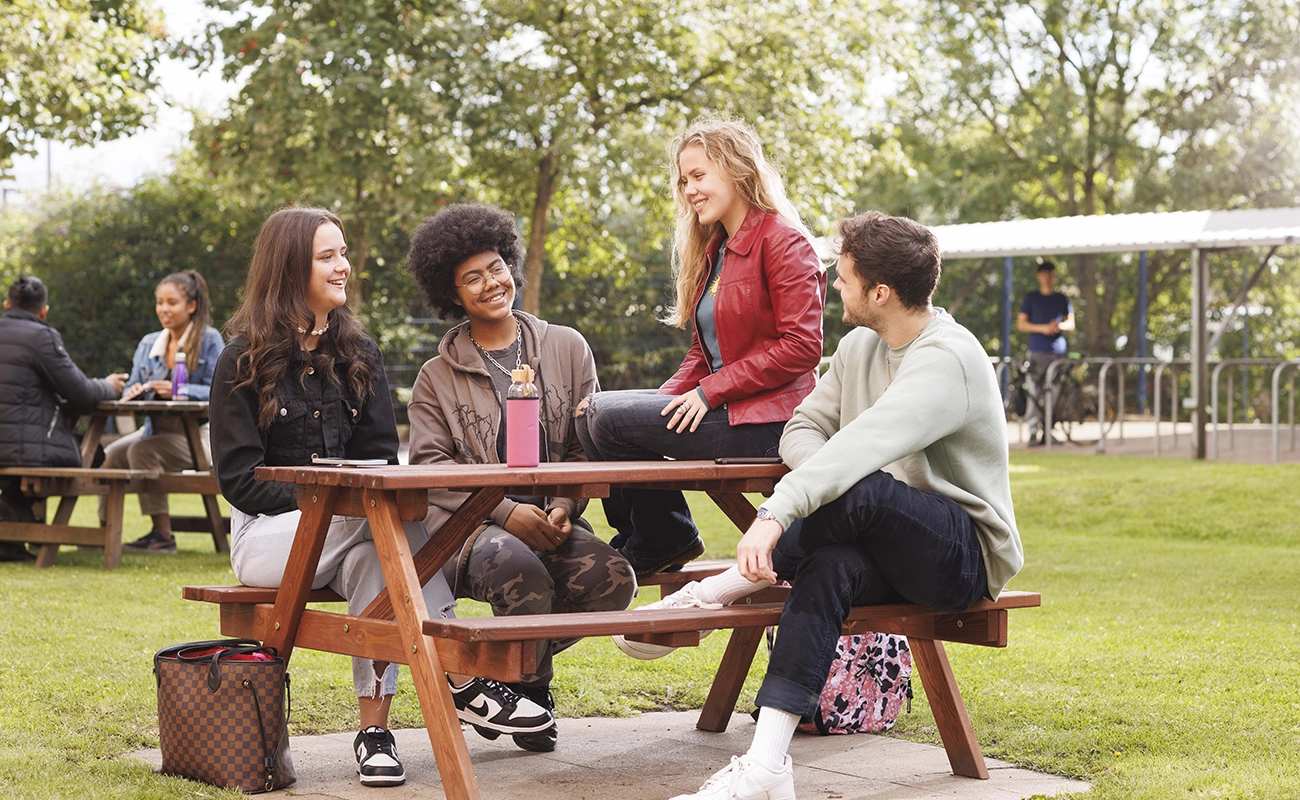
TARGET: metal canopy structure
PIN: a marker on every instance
(1201, 232)
(1121, 233)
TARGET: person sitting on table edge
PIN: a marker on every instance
(183, 307)
(39, 387)
(301, 379)
(531, 555)
(749, 282)
(899, 489)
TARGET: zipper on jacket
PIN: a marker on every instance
(53, 421)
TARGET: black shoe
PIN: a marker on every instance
(152, 542)
(377, 762)
(485, 703)
(645, 566)
(15, 551)
(542, 741)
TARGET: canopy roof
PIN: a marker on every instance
(1172, 230)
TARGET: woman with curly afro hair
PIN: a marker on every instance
(534, 555)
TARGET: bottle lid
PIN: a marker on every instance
(180, 356)
(518, 376)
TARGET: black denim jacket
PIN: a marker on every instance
(315, 419)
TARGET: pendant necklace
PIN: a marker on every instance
(519, 353)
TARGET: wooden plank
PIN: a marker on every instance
(427, 671)
(183, 483)
(412, 505)
(304, 556)
(444, 544)
(249, 594)
(730, 679)
(949, 711)
(112, 536)
(737, 508)
(453, 476)
(54, 535)
(90, 441)
(379, 639)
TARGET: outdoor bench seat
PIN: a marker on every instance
(69, 483)
(504, 647)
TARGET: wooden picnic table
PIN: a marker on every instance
(397, 626)
(70, 483)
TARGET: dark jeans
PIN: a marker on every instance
(627, 426)
(881, 541)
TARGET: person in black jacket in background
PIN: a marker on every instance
(300, 379)
(39, 385)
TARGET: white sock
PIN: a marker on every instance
(728, 587)
(772, 738)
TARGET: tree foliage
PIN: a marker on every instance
(1066, 107)
(75, 71)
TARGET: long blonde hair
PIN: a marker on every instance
(734, 149)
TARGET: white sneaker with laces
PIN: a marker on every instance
(744, 779)
(682, 598)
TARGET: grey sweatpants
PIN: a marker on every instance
(349, 564)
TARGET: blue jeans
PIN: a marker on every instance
(627, 426)
(881, 541)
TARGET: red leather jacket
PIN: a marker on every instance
(768, 314)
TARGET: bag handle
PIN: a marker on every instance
(268, 760)
(223, 648)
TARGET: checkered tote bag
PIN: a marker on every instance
(223, 713)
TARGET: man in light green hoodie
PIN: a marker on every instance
(898, 490)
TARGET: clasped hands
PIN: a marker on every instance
(163, 389)
(540, 530)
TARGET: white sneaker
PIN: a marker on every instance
(682, 598)
(744, 779)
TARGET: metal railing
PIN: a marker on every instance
(1276, 397)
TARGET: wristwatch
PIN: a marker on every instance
(764, 513)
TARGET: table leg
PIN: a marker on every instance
(201, 463)
(114, 506)
(444, 544)
(949, 711)
(431, 686)
(737, 508)
(90, 442)
(730, 679)
(300, 571)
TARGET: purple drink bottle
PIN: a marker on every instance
(522, 414)
(180, 379)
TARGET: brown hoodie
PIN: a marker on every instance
(455, 414)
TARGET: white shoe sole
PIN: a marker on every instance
(493, 726)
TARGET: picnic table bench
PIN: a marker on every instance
(397, 626)
(70, 483)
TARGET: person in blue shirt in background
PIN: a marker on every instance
(1045, 315)
(183, 307)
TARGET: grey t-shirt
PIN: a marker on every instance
(501, 382)
(704, 320)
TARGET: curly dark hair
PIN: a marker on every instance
(458, 232)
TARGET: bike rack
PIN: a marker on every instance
(1277, 379)
(1214, 398)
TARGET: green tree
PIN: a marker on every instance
(76, 71)
(1067, 107)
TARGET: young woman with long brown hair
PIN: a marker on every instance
(300, 379)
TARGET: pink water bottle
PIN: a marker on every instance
(522, 414)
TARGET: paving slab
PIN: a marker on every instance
(659, 755)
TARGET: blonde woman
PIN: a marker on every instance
(749, 282)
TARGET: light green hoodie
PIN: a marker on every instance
(928, 413)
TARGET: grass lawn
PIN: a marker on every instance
(1164, 662)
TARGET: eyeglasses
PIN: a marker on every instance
(476, 282)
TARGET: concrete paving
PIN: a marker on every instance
(660, 755)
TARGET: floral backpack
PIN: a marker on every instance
(869, 682)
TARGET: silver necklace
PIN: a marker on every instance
(519, 353)
(315, 333)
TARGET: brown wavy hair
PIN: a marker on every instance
(195, 289)
(735, 150)
(274, 308)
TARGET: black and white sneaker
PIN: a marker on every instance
(377, 762)
(489, 704)
(542, 741)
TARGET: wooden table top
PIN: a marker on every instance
(473, 476)
(199, 407)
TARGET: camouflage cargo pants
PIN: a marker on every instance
(583, 574)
